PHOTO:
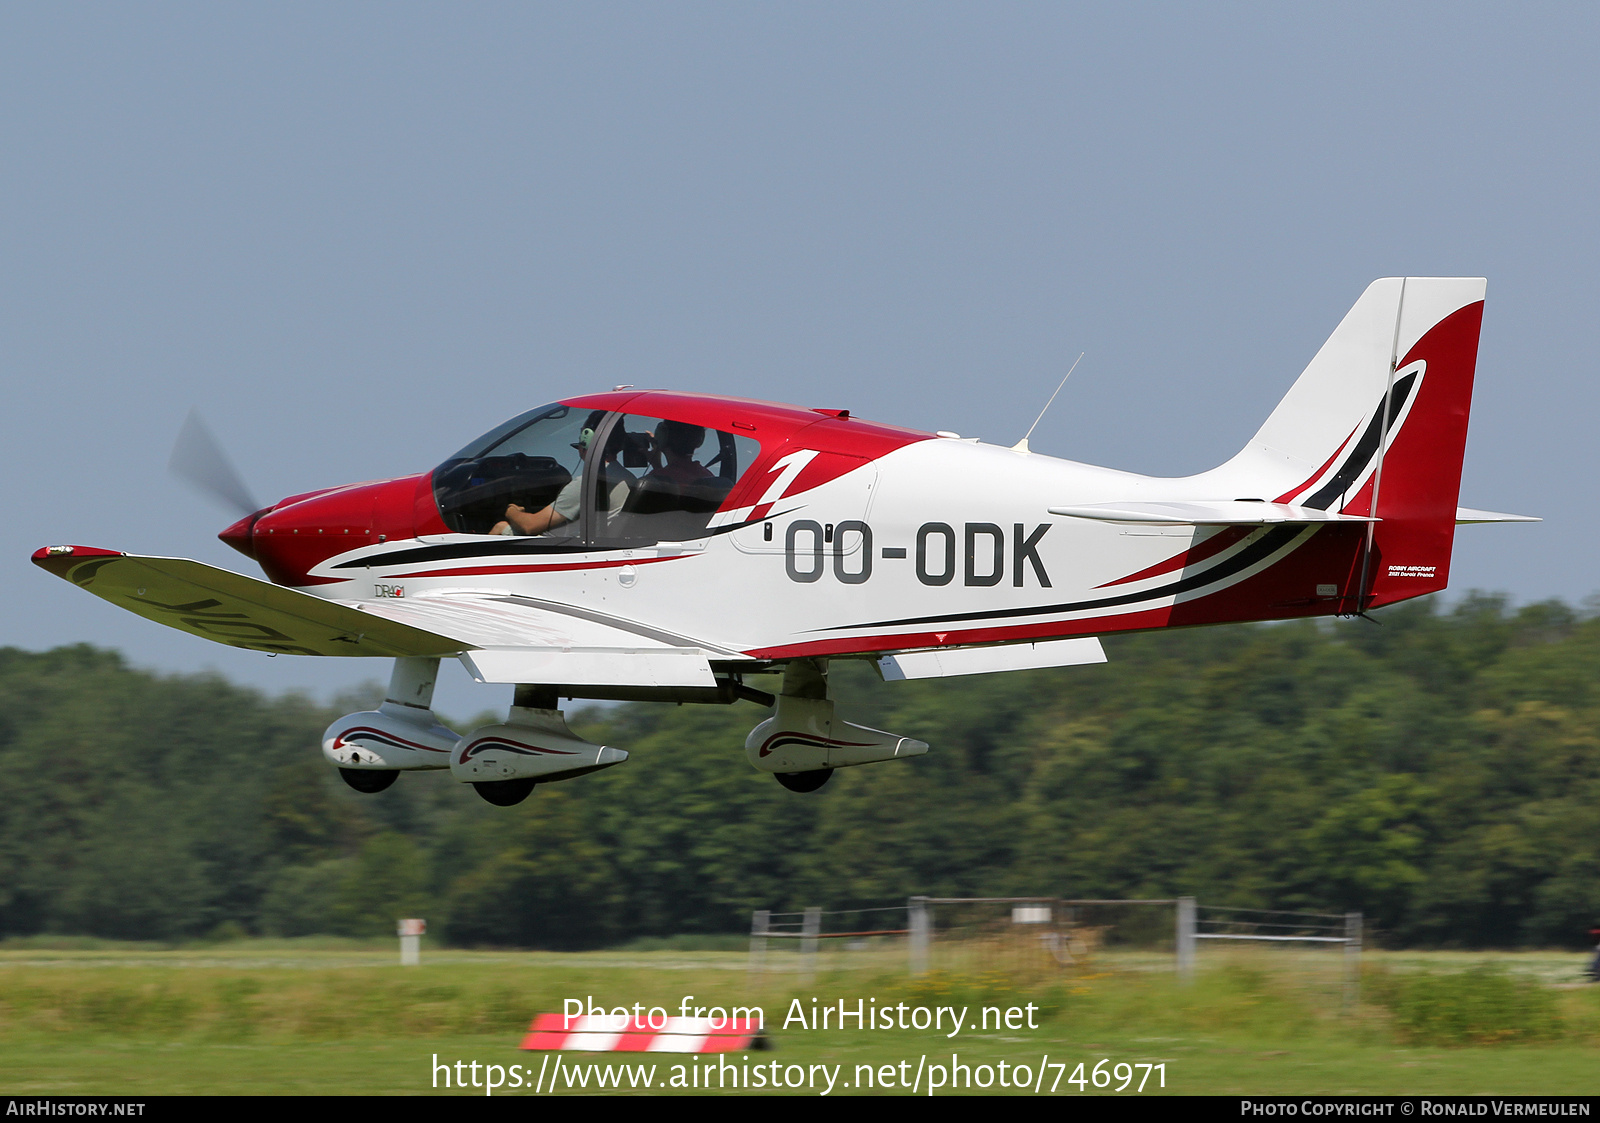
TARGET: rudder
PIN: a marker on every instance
(1417, 480)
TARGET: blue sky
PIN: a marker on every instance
(355, 236)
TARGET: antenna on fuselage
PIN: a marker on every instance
(1022, 445)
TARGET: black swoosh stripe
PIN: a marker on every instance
(514, 547)
(1265, 547)
(1366, 448)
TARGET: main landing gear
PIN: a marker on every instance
(503, 762)
(505, 793)
(803, 742)
(803, 781)
(367, 782)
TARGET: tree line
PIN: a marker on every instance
(1439, 770)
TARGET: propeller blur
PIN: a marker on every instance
(198, 460)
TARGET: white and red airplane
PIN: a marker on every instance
(649, 545)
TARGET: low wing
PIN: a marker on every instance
(500, 638)
(1218, 512)
(236, 610)
(950, 662)
(519, 639)
(1466, 515)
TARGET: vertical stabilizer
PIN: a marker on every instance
(1410, 342)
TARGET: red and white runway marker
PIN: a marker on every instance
(608, 1033)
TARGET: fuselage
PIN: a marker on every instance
(830, 536)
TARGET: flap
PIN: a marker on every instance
(588, 667)
(1211, 512)
(518, 639)
(234, 609)
(950, 662)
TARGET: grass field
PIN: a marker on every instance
(326, 1017)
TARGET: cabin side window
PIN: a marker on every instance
(680, 474)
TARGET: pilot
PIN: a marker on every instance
(568, 503)
(673, 453)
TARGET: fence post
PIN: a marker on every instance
(1352, 959)
(411, 931)
(808, 941)
(1186, 941)
(760, 925)
(918, 908)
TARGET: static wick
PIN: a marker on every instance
(1022, 445)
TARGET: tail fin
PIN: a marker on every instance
(1411, 342)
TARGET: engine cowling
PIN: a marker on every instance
(532, 744)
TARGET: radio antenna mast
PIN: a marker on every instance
(1022, 445)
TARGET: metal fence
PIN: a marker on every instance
(870, 930)
(1336, 932)
(1028, 935)
(1033, 935)
(1013, 935)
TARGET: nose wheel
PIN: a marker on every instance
(505, 793)
(803, 781)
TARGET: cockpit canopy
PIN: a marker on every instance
(591, 476)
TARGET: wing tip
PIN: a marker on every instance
(60, 560)
(44, 552)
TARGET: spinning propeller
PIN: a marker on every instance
(197, 459)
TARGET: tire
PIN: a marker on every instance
(803, 781)
(504, 793)
(368, 781)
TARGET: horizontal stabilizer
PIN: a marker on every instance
(1469, 515)
(234, 609)
(1217, 512)
(950, 662)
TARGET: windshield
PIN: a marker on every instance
(656, 479)
(528, 464)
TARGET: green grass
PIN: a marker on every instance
(339, 1017)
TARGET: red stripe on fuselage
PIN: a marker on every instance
(1210, 548)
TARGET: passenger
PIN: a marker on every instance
(675, 446)
(568, 505)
